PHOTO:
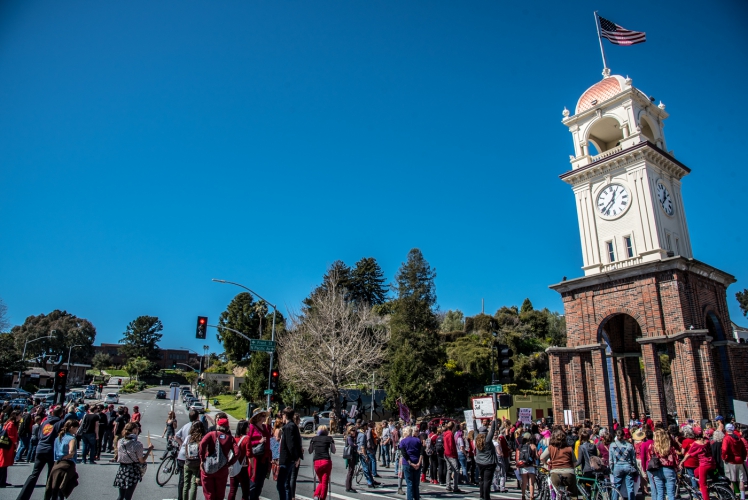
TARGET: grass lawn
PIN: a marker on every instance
(116, 373)
(237, 408)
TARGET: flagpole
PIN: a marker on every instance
(606, 71)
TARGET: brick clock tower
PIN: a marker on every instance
(648, 328)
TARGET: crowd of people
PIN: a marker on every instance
(643, 457)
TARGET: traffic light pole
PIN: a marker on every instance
(275, 310)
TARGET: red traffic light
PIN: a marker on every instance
(61, 374)
(202, 321)
(275, 374)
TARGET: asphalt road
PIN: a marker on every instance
(96, 480)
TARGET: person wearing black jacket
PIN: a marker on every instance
(48, 430)
(290, 455)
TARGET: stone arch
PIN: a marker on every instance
(624, 379)
(722, 372)
(605, 133)
(603, 317)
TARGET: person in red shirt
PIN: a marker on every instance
(733, 456)
(690, 463)
(135, 415)
(214, 485)
(241, 480)
(700, 450)
(259, 452)
(450, 455)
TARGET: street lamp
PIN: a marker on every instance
(196, 354)
(23, 356)
(275, 310)
(69, 352)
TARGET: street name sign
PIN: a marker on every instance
(494, 388)
(269, 392)
(262, 345)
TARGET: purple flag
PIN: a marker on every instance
(404, 411)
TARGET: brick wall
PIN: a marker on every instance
(635, 312)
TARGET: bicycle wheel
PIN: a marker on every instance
(606, 492)
(721, 492)
(165, 470)
(359, 473)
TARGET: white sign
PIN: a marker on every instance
(174, 393)
(568, 418)
(483, 408)
(469, 417)
(741, 411)
(353, 411)
(525, 415)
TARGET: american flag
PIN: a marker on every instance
(619, 35)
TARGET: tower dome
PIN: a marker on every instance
(603, 90)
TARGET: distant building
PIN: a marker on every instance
(167, 356)
(43, 376)
(740, 333)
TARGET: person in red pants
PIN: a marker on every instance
(322, 445)
(702, 451)
(214, 483)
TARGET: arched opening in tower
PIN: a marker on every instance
(605, 134)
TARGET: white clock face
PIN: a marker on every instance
(613, 200)
(665, 200)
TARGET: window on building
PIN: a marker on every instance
(667, 241)
(611, 251)
(677, 247)
(629, 246)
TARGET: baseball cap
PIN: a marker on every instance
(719, 417)
(729, 427)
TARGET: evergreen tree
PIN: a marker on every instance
(338, 276)
(454, 321)
(526, 306)
(141, 338)
(366, 286)
(258, 368)
(416, 357)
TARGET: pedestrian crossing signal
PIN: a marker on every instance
(202, 327)
(61, 380)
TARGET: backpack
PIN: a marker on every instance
(571, 440)
(5, 442)
(217, 460)
(525, 456)
(440, 445)
(427, 442)
(192, 451)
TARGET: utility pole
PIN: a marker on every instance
(373, 390)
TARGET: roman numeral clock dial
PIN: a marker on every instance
(613, 201)
(665, 200)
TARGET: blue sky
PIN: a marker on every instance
(147, 147)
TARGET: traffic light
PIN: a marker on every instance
(202, 327)
(61, 380)
(174, 365)
(506, 400)
(274, 375)
(504, 355)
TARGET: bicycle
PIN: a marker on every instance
(719, 488)
(168, 465)
(542, 480)
(601, 487)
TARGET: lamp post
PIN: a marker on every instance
(69, 353)
(23, 356)
(275, 310)
(201, 360)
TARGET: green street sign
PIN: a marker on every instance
(494, 388)
(262, 345)
(269, 391)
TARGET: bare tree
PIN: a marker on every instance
(331, 344)
(4, 322)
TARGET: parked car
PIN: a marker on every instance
(189, 402)
(112, 398)
(43, 393)
(161, 395)
(18, 404)
(186, 396)
(76, 397)
(89, 394)
(48, 401)
(307, 423)
(6, 396)
(197, 406)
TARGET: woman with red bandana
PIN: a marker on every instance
(214, 484)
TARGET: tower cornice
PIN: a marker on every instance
(612, 161)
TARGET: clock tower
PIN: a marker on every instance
(647, 324)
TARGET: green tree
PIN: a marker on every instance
(212, 388)
(454, 321)
(416, 356)
(101, 360)
(245, 315)
(139, 366)
(66, 330)
(141, 338)
(10, 356)
(338, 276)
(526, 306)
(190, 377)
(258, 368)
(366, 283)
(743, 301)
